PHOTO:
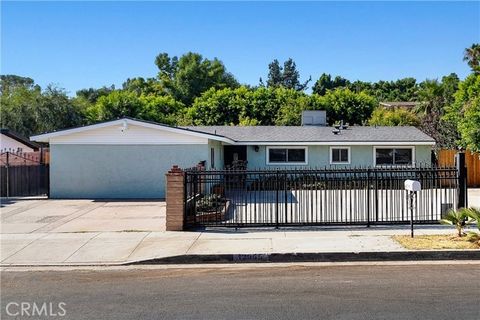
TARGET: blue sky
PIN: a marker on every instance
(78, 45)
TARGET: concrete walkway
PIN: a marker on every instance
(100, 248)
(92, 232)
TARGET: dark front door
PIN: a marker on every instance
(234, 153)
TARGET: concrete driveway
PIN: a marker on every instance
(60, 216)
(57, 231)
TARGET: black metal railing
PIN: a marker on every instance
(327, 196)
(23, 174)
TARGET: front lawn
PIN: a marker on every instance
(426, 242)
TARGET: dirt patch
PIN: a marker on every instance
(437, 242)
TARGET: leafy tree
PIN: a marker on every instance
(247, 121)
(287, 76)
(10, 82)
(116, 104)
(27, 110)
(265, 106)
(325, 83)
(275, 74)
(434, 96)
(92, 94)
(292, 104)
(397, 117)
(187, 77)
(220, 107)
(399, 90)
(465, 112)
(291, 76)
(472, 56)
(344, 104)
(161, 109)
(143, 86)
(121, 103)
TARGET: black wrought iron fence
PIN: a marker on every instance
(328, 196)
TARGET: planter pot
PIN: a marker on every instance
(217, 216)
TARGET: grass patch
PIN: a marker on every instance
(437, 242)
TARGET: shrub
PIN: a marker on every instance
(459, 219)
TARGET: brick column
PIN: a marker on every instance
(175, 194)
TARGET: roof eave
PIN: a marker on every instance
(47, 136)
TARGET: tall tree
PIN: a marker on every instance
(325, 83)
(275, 74)
(397, 117)
(465, 112)
(287, 76)
(342, 104)
(28, 110)
(92, 94)
(10, 82)
(187, 77)
(472, 56)
(291, 76)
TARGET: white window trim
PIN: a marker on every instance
(393, 147)
(267, 156)
(340, 162)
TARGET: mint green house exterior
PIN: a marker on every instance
(128, 158)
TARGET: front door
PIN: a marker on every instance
(234, 154)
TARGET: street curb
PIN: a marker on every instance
(316, 257)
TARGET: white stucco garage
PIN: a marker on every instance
(124, 158)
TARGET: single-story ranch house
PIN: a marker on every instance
(128, 158)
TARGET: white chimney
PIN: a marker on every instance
(314, 118)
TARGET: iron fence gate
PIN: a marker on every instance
(357, 196)
(23, 175)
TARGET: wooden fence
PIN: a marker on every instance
(23, 174)
(472, 161)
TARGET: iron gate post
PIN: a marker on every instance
(462, 201)
(286, 196)
(195, 180)
(368, 197)
(277, 200)
(8, 175)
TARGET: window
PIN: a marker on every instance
(212, 158)
(393, 156)
(291, 155)
(340, 155)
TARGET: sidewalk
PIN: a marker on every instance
(113, 248)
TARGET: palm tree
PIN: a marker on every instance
(472, 56)
(474, 214)
(458, 218)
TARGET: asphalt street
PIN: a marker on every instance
(295, 292)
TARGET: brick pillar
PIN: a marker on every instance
(175, 194)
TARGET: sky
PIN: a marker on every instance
(77, 45)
